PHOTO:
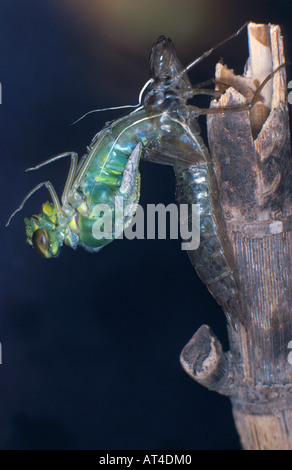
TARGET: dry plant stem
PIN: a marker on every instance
(252, 161)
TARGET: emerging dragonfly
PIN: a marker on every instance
(163, 128)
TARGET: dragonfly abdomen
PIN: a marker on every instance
(212, 259)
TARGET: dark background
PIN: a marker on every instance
(91, 342)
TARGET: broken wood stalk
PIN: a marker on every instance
(252, 162)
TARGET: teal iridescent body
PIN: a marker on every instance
(109, 171)
(103, 172)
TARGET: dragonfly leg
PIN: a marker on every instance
(52, 192)
(81, 161)
(200, 88)
(70, 177)
(72, 170)
(207, 91)
(50, 160)
(206, 83)
(210, 51)
(240, 107)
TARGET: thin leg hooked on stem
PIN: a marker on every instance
(211, 81)
(238, 107)
(207, 91)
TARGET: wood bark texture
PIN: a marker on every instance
(252, 162)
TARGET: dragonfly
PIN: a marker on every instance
(163, 128)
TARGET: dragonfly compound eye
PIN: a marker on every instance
(40, 242)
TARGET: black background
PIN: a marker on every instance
(91, 342)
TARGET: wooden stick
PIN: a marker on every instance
(252, 161)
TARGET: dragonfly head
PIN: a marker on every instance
(44, 233)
